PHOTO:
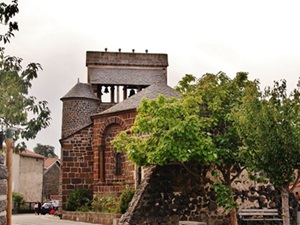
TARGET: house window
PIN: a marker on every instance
(118, 163)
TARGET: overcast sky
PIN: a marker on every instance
(258, 36)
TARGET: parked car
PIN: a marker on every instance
(47, 207)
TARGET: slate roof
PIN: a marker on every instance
(150, 92)
(80, 90)
(126, 76)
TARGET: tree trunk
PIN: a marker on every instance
(233, 217)
(285, 206)
(233, 214)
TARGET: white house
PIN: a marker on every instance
(28, 169)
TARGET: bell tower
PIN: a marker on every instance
(115, 76)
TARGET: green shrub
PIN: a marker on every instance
(25, 207)
(18, 198)
(77, 199)
(125, 199)
(84, 208)
(107, 204)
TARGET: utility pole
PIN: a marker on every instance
(9, 143)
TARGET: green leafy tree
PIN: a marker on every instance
(7, 12)
(269, 123)
(45, 150)
(17, 108)
(197, 127)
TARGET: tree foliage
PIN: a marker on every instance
(269, 123)
(17, 108)
(165, 132)
(7, 12)
(196, 127)
(45, 150)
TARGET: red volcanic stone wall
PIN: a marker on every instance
(106, 178)
(88, 152)
(76, 164)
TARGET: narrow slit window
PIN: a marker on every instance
(118, 163)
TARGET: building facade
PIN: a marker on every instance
(96, 111)
(51, 178)
(28, 169)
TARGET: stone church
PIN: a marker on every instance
(94, 112)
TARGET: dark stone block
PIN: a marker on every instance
(194, 201)
(3, 187)
(213, 196)
(212, 206)
(3, 220)
(252, 199)
(3, 205)
(3, 172)
(76, 181)
(70, 187)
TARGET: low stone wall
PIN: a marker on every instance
(170, 193)
(3, 191)
(90, 217)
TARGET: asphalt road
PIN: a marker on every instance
(32, 219)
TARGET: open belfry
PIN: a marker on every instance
(96, 111)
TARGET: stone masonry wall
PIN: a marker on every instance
(51, 181)
(107, 180)
(111, 184)
(76, 115)
(126, 59)
(3, 191)
(169, 194)
(90, 217)
(80, 159)
(76, 164)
